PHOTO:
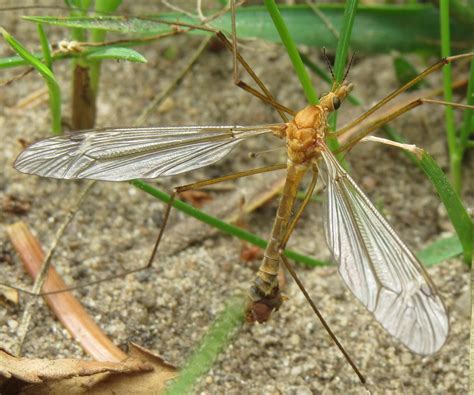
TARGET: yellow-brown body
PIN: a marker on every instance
(304, 135)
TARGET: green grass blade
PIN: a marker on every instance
(292, 51)
(46, 73)
(342, 50)
(440, 251)
(376, 29)
(15, 61)
(78, 9)
(345, 35)
(324, 75)
(212, 344)
(457, 213)
(45, 47)
(454, 152)
(221, 225)
(101, 7)
(467, 122)
(463, 11)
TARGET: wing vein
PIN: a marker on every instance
(378, 268)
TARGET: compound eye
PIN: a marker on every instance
(323, 94)
(336, 103)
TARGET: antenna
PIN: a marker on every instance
(349, 66)
(328, 63)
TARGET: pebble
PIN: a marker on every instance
(406, 358)
(295, 339)
(12, 324)
(296, 371)
(368, 183)
(166, 105)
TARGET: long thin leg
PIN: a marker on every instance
(237, 58)
(297, 216)
(321, 318)
(267, 97)
(40, 279)
(176, 190)
(201, 184)
(293, 274)
(412, 148)
(374, 125)
(438, 65)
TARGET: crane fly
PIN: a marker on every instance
(376, 266)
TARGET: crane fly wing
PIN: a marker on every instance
(129, 153)
(379, 268)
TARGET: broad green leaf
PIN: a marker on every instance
(116, 53)
(376, 28)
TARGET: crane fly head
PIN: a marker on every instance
(331, 101)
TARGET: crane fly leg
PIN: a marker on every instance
(176, 190)
(266, 96)
(412, 148)
(320, 317)
(299, 213)
(438, 65)
(237, 58)
(198, 185)
(377, 123)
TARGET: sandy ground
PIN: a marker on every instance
(169, 308)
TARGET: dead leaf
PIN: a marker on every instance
(66, 307)
(8, 295)
(166, 105)
(15, 205)
(142, 372)
(24, 143)
(39, 370)
(195, 197)
(151, 382)
(250, 253)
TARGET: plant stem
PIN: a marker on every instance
(293, 53)
(454, 154)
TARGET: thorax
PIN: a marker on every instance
(304, 133)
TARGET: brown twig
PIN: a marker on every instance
(66, 307)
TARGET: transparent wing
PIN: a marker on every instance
(124, 154)
(378, 268)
